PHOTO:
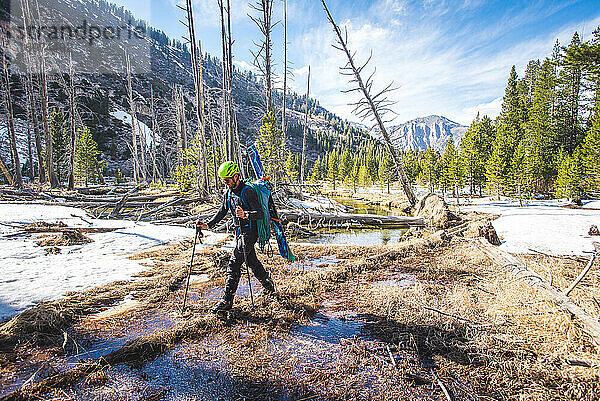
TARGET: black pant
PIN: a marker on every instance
(235, 264)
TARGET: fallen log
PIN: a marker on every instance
(113, 199)
(585, 270)
(587, 322)
(60, 229)
(344, 219)
(121, 203)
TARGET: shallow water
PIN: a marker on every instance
(326, 327)
(312, 264)
(375, 237)
(358, 207)
(398, 280)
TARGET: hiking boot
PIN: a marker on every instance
(222, 306)
(268, 286)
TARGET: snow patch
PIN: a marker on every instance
(143, 128)
(542, 225)
(30, 276)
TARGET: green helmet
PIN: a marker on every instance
(228, 169)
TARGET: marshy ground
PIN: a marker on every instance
(422, 319)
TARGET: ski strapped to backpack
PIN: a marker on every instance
(262, 186)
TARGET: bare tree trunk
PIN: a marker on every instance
(25, 82)
(215, 143)
(203, 119)
(143, 150)
(283, 116)
(18, 180)
(374, 106)
(181, 125)
(196, 61)
(588, 323)
(225, 122)
(46, 124)
(71, 185)
(154, 127)
(134, 146)
(32, 105)
(232, 121)
(262, 58)
(306, 114)
(30, 153)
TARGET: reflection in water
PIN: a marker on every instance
(382, 236)
(371, 236)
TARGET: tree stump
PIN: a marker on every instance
(488, 232)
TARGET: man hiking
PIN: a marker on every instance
(243, 204)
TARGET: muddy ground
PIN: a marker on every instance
(419, 320)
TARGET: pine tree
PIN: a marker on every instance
(475, 150)
(452, 173)
(291, 167)
(372, 166)
(410, 162)
(346, 166)
(569, 84)
(315, 174)
(270, 147)
(509, 133)
(387, 170)
(364, 177)
(430, 168)
(590, 150)
(569, 179)
(540, 144)
(87, 166)
(354, 174)
(333, 168)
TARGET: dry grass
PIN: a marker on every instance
(482, 333)
(66, 238)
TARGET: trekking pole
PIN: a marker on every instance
(198, 236)
(247, 267)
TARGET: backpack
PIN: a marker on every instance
(268, 222)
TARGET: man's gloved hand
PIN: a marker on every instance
(239, 212)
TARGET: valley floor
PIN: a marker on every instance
(422, 319)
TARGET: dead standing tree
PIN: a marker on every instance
(283, 116)
(31, 99)
(17, 179)
(196, 61)
(72, 131)
(306, 115)
(226, 106)
(374, 106)
(134, 147)
(263, 57)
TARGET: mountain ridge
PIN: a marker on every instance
(422, 132)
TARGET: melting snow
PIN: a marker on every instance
(30, 276)
(544, 226)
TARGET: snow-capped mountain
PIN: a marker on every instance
(422, 132)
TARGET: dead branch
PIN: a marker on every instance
(588, 323)
(369, 105)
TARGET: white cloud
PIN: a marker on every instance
(436, 73)
(245, 66)
(490, 109)
(301, 71)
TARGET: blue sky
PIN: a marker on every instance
(450, 58)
